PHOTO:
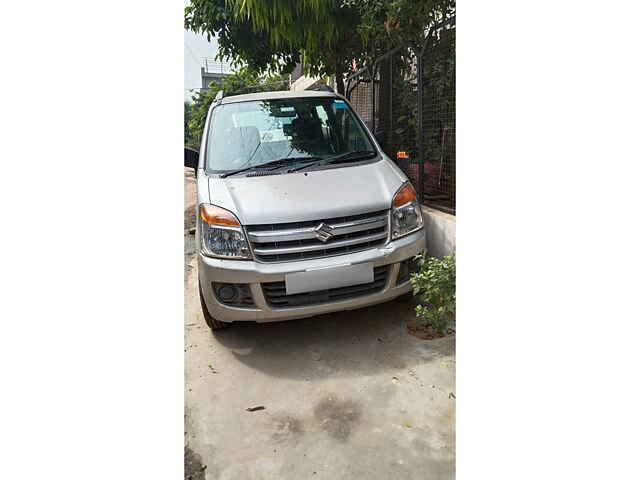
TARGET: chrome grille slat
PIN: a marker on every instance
(319, 245)
(308, 233)
(298, 241)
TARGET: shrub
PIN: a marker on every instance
(434, 285)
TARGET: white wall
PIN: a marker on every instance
(440, 230)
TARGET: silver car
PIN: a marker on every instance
(299, 211)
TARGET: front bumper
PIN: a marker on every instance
(254, 273)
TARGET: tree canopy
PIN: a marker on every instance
(274, 35)
(269, 35)
(237, 39)
(385, 24)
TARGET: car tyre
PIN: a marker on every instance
(212, 323)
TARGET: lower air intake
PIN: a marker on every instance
(276, 297)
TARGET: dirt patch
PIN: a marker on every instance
(189, 224)
(426, 332)
(286, 428)
(189, 218)
(337, 417)
(189, 239)
(193, 467)
(189, 253)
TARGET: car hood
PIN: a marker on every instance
(311, 195)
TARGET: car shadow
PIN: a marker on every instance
(342, 344)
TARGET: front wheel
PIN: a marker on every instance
(212, 323)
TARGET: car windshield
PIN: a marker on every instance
(247, 134)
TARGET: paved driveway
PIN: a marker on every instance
(348, 395)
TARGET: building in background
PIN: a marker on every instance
(196, 49)
(213, 71)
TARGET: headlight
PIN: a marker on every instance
(221, 234)
(406, 215)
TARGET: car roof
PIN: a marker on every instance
(278, 95)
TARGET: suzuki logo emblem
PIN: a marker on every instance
(323, 232)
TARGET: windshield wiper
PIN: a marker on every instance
(352, 156)
(273, 163)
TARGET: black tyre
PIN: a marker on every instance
(212, 323)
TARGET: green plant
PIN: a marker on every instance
(189, 138)
(434, 285)
(386, 24)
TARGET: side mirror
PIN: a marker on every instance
(191, 157)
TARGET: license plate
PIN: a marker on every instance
(329, 277)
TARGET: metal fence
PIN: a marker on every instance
(407, 98)
(211, 65)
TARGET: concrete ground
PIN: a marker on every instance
(349, 395)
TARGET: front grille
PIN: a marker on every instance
(276, 296)
(283, 242)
